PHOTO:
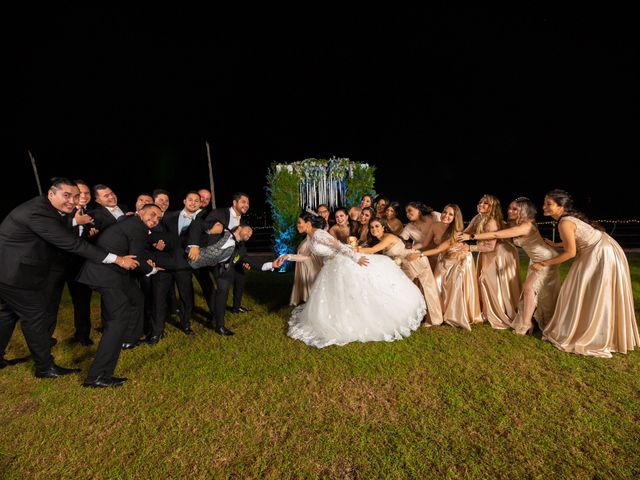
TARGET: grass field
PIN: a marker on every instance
(443, 403)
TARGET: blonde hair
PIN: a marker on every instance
(526, 211)
(494, 213)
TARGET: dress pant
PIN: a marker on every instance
(162, 287)
(184, 282)
(30, 306)
(81, 298)
(146, 285)
(53, 290)
(203, 276)
(238, 284)
(123, 307)
(225, 274)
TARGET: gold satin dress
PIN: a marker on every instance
(419, 272)
(499, 284)
(546, 282)
(455, 276)
(595, 314)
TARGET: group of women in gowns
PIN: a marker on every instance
(592, 313)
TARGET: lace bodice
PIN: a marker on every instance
(323, 244)
(586, 235)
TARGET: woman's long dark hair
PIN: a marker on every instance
(563, 199)
(424, 210)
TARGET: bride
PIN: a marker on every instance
(355, 298)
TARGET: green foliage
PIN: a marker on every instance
(283, 195)
(360, 183)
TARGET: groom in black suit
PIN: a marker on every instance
(121, 296)
(29, 236)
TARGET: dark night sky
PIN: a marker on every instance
(448, 104)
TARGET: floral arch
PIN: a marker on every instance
(293, 187)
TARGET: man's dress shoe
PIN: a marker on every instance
(240, 309)
(153, 340)
(223, 331)
(55, 371)
(104, 382)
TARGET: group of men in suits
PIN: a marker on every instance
(31, 238)
(130, 257)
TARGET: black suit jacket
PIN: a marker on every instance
(176, 242)
(128, 237)
(29, 236)
(102, 217)
(198, 230)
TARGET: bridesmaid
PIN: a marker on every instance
(540, 290)
(419, 228)
(341, 230)
(455, 273)
(366, 201)
(418, 270)
(323, 211)
(381, 206)
(391, 215)
(498, 265)
(361, 230)
(305, 272)
(595, 312)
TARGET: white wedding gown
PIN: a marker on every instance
(352, 303)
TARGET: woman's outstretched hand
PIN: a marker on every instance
(363, 261)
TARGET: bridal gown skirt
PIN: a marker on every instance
(351, 303)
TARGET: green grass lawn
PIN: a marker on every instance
(443, 403)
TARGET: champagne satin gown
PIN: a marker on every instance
(499, 284)
(595, 313)
(305, 274)
(419, 272)
(546, 282)
(455, 276)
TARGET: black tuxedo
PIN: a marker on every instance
(29, 236)
(102, 217)
(122, 299)
(80, 293)
(173, 259)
